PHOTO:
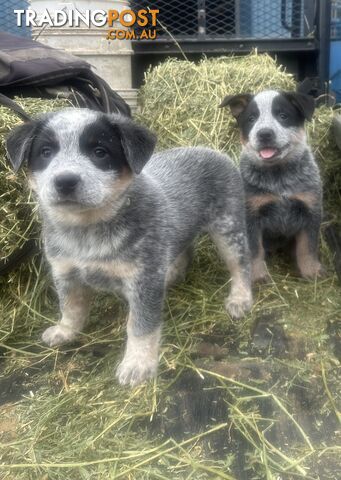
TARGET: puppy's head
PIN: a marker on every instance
(271, 124)
(80, 161)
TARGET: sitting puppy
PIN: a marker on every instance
(281, 179)
(107, 226)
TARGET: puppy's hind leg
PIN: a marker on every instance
(177, 270)
(259, 273)
(229, 235)
(307, 252)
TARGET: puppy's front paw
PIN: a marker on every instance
(259, 279)
(238, 306)
(134, 370)
(313, 270)
(58, 335)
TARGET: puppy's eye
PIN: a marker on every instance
(46, 152)
(100, 152)
(283, 116)
(251, 118)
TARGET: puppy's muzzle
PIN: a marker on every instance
(267, 147)
(266, 136)
(66, 183)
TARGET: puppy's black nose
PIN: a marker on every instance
(266, 135)
(66, 183)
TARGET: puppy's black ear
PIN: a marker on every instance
(138, 144)
(305, 104)
(18, 143)
(237, 103)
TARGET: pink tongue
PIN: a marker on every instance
(268, 152)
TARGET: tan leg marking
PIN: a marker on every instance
(240, 300)
(61, 266)
(76, 308)
(259, 270)
(177, 270)
(141, 357)
(74, 315)
(308, 264)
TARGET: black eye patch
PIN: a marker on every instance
(44, 147)
(286, 113)
(248, 118)
(101, 143)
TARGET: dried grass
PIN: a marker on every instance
(249, 411)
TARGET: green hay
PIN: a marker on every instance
(17, 207)
(272, 413)
(78, 423)
(180, 99)
(23, 292)
(328, 156)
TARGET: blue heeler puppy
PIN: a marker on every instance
(281, 179)
(113, 223)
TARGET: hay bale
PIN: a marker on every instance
(23, 291)
(17, 207)
(180, 99)
(328, 156)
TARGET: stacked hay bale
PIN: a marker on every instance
(328, 155)
(17, 224)
(180, 100)
(20, 290)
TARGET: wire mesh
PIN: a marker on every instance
(8, 22)
(233, 18)
(335, 26)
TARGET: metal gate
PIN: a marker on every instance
(296, 27)
(233, 18)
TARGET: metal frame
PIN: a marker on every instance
(323, 40)
(219, 45)
(319, 43)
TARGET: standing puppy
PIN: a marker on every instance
(281, 179)
(113, 223)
